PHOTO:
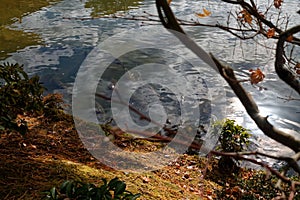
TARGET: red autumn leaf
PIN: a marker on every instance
(271, 32)
(278, 3)
(290, 38)
(256, 76)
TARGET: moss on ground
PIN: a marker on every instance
(52, 152)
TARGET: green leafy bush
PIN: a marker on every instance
(115, 189)
(18, 94)
(233, 138)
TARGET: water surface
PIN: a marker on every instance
(56, 39)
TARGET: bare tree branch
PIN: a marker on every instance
(285, 74)
(292, 161)
(228, 74)
(240, 156)
(253, 11)
(252, 109)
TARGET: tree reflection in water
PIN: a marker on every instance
(107, 7)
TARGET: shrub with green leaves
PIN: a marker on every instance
(115, 189)
(18, 94)
(233, 138)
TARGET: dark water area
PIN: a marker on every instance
(65, 33)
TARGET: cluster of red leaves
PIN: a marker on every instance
(278, 3)
(270, 32)
(245, 16)
(256, 76)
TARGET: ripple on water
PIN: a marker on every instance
(68, 42)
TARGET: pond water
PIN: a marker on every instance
(65, 33)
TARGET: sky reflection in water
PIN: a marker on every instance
(67, 41)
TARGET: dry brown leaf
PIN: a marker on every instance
(256, 76)
(290, 38)
(245, 16)
(271, 32)
(278, 3)
(236, 189)
(204, 14)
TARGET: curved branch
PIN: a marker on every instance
(168, 20)
(253, 11)
(240, 156)
(251, 107)
(285, 74)
(228, 74)
(292, 161)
